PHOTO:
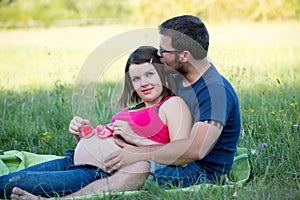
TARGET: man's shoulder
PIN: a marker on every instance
(214, 79)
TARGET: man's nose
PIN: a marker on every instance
(160, 55)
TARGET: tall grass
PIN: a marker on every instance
(39, 68)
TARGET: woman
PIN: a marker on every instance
(157, 118)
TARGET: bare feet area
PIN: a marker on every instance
(18, 193)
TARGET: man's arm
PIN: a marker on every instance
(202, 138)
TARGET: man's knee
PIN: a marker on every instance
(135, 175)
(139, 169)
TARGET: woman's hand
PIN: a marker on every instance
(123, 130)
(75, 125)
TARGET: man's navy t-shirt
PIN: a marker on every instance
(213, 98)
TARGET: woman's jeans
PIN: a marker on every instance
(61, 177)
(58, 177)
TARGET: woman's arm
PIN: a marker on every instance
(174, 112)
(177, 117)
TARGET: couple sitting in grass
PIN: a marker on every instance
(158, 139)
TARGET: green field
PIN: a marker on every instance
(38, 69)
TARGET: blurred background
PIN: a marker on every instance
(32, 13)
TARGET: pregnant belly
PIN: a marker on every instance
(93, 150)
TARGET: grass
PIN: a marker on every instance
(39, 68)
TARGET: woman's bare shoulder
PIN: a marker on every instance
(173, 101)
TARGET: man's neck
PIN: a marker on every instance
(196, 69)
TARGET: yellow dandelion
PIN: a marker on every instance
(281, 111)
(260, 126)
(251, 110)
(290, 123)
(46, 134)
(272, 113)
(292, 105)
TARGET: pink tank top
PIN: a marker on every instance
(146, 123)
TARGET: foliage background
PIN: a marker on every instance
(16, 13)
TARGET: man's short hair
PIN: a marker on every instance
(187, 32)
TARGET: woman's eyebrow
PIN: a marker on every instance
(151, 70)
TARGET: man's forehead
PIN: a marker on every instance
(165, 41)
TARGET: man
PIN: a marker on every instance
(207, 155)
(209, 151)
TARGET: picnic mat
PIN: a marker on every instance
(12, 161)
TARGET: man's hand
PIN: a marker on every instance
(121, 158)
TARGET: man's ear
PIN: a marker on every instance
(185, 56)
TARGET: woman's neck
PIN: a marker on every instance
(150, 104)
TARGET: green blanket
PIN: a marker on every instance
(12, 161)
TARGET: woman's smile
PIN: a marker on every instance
(147, 91)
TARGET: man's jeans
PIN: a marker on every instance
(57, 177)
(177, 176)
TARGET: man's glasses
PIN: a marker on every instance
(161, 51)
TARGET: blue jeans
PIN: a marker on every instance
(57, 177)
(177, 176)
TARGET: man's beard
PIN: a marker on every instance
(178, 66)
